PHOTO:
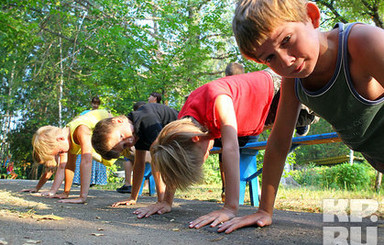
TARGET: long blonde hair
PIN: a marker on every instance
(176, 156)
(44, 141)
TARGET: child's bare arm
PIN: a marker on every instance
(160, 185)
(69, 174)
(82, 135)
(225, 113)
(138, 175)
(277, 149)
(59, 177)
(43, 179)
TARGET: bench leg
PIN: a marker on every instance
(243, 184)
(151, 185)
(142, 186)
(248, 174)
(254, 191)
(151, 182)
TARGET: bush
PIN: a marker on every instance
(110, 176)
(343, 176)
(211, 170)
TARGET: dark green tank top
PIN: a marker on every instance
(358, 121)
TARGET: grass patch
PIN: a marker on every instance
(309, 199)
(11, 203)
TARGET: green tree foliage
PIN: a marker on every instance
(367, 11)
(57, 54)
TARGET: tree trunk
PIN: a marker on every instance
(61, 83)
(8, 114)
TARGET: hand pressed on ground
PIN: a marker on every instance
(74, 200)
(260, 218)
(215, 218)
(31, 190)
(124, 202)
(159, 208)
(51, 194)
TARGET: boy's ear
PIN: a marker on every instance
(195, 139)
(117, 120)
(60, 138)
(313, 13)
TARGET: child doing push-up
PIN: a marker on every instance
(338, 74)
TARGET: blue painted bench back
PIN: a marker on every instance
(248, 163)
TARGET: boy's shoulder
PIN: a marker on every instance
(151, 110)
(155, 107)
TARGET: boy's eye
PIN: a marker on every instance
(286, 40)
(268, 59)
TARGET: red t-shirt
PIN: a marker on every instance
(251, 94)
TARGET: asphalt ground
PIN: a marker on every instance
(29, 219)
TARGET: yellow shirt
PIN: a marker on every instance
(90, 120)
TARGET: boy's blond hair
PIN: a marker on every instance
(100, 138)
(44, 141)
(176, 156)
(254, 21)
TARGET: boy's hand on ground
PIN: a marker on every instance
(62, 195)
(260, 218)
(215, 218)
(32, 190)
(124, 202)
(159, 208)
(50, 194)
(74, 200)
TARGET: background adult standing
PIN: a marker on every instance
(154, 98)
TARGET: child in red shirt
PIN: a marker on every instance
(228, 108)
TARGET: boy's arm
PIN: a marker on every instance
(225, 113)
(276, 152)
(68, 177)
(43, 179)
(83, 135)
(160, 185)
(59, 177)
(138, 175)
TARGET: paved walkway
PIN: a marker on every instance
(98, 223)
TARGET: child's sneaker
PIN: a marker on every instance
(302, 131)
(124, 189)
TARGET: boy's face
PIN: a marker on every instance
(152, 99)
(95, 105)
(63, 146)
(122, 136)
(292, 49)
(206, 144)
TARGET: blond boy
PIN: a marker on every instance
(52, 144)
(338, 74)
